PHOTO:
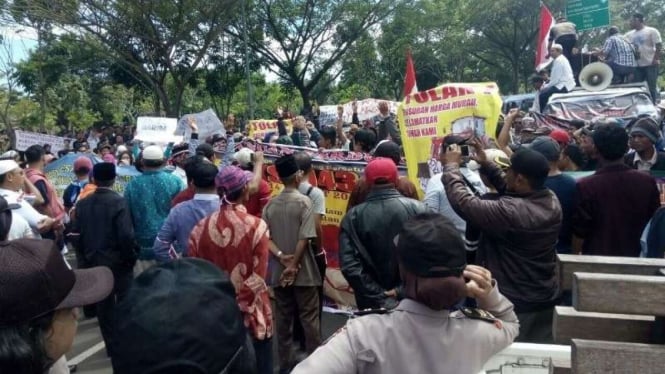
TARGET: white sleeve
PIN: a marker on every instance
(433, 194)
(30, 214)
(334, 357)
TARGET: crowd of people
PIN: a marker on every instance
(196, 267)
(633, 57)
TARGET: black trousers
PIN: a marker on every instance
(106, 307)
(544, 96)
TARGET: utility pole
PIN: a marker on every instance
(248, 75)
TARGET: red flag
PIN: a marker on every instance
(546, 23)
(410, 85)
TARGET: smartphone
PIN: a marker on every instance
(465, 150)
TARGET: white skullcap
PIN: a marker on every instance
(153, 152)
(558, 47)
(243, 156)
(7, 166)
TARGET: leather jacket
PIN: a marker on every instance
(519, 236)
(366, 245)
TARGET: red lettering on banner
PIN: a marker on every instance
(326, 180)
(439, 94)
(346, 180)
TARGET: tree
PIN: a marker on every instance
(151, 39)
(303, 40)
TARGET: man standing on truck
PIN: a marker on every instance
(649, 46)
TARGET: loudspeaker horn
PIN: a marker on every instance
(596, 76)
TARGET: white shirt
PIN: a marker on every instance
(19, 228)
(645, 40)
(645, 165)
(437, 200)
(180, 173)
(27, 211)
(562, 74)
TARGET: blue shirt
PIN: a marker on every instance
(179, 224)
(564, 187)
(149, 198)
(619, 51)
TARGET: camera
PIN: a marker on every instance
(465, 150)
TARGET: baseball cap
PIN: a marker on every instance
(560, 136)
(36, 280)
(81, 163)
(153, 152)
(7, 166)
(231, 179)
(243, 157)
(430, 246)
(381, 169)
(180, 315)
(547, 147)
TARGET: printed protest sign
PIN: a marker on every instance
(207, 122)
(258, 129)
(157, 130)
(466, 109)
(25, 139)
(367, 109)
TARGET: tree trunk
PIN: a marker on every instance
(304, 94)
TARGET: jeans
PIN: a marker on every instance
(304, 300)
(621, 74)
(545, 95)
(650, 75)
(106, 307)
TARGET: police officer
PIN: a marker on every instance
(421, 335)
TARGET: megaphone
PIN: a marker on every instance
(596, 76)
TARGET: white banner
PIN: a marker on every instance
(25, 139)
(157, 130)
(367, 109)
(207, 122)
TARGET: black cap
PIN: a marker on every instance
(530, 164)
(179, 149)
(286, 166)
(103, 171)
(35, 280)
(176, 316)
(430, 246)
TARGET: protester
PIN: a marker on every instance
(644, 135)
(403, 185)
(561, 77)
(649, 45)
(572, 158)
(190, 166)
(294, 276)
(82, 168)
(366, 247)
(12, 182)
(172, 240)
(435, 194)
(125, 158)
(106, 238)
(613, 206)
(364, 141)
(563, 187)
(328, 140)
(149, 198)
(618, 54)
(182, 317)
(181, 152)
(519, 233)
(259, 189)
(244, 256)
(318, 199)
(538, 82)
(39, 297)
(422, 335)
(385, 122)
(52, 206)
(223, 147)
(300, 134)
(563, 33)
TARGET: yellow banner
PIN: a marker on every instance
(259, 128)
(426, 117)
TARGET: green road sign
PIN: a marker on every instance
(588, 14)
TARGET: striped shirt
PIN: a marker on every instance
(618, 51)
